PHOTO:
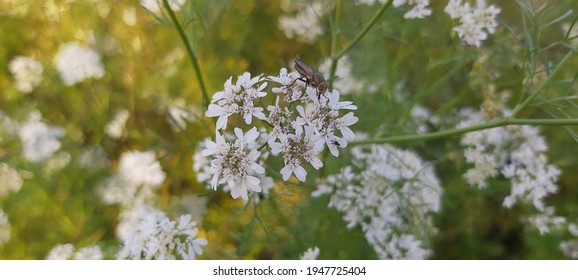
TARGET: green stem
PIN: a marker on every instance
(458, 131)
(334, 59)
(538, 89)
(365, 30)
(190, 52)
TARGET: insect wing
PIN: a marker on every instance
(313, 76)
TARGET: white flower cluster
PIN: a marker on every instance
(27, 73)
(516, 152)
(4, 227)
(67, 252)
(420, 8)
(155, 6)
(148, 233)
(389, 193)
(11, 180)
(305, 24)
(139, 175)
(475, 22)
(570, 247)
(299, 138)
(39, 141)
(76, 63)
(546, 222)
(310, 254)
(203, 168)
(116, 127)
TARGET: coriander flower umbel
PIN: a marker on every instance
(202, 165)
(27, 73)
(232, 164)
(147, 233)
(291, 88)
(389, 193)
(516, 152)
(305, 24)
(39, 141)
(139, 176)
(297, 148)
(281, 119)
(475, 22)
(76, 63)
(238, 98)
(324, 118)
(419, 10)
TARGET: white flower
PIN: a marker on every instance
(238, 98)
(310, 254)
(325, 120)
(383, 192)
(11, 180)
(419, 10)
(297, 148)
(116, 126)
(570, 248)
(517, 153)
(546, 222)
(147, 233)
(368, 2)
(476, 23)
(76, 63)
(202, 164)
(27, 73)
(141, 168)
(61, 252)
(4, 227)
(291, 87)
(231, 164)
(139, 175)
(88, 253)
(39, 141)
(304, 24)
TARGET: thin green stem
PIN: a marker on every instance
(365, 30)
(538, 89)
(190, 52)
(334, 59)
(458, 131)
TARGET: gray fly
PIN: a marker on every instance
(311, 76)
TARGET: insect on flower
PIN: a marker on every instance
(311, 76)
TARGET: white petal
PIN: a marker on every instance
(222, 122)
(259, 114)
(251, 135)
(300, 173)
(252, 183)
(248, 118)
(315, 162)
(276, 148)
(257, 168)
(319, 145)
(333, 149)
(214, 110)
(286, 172)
